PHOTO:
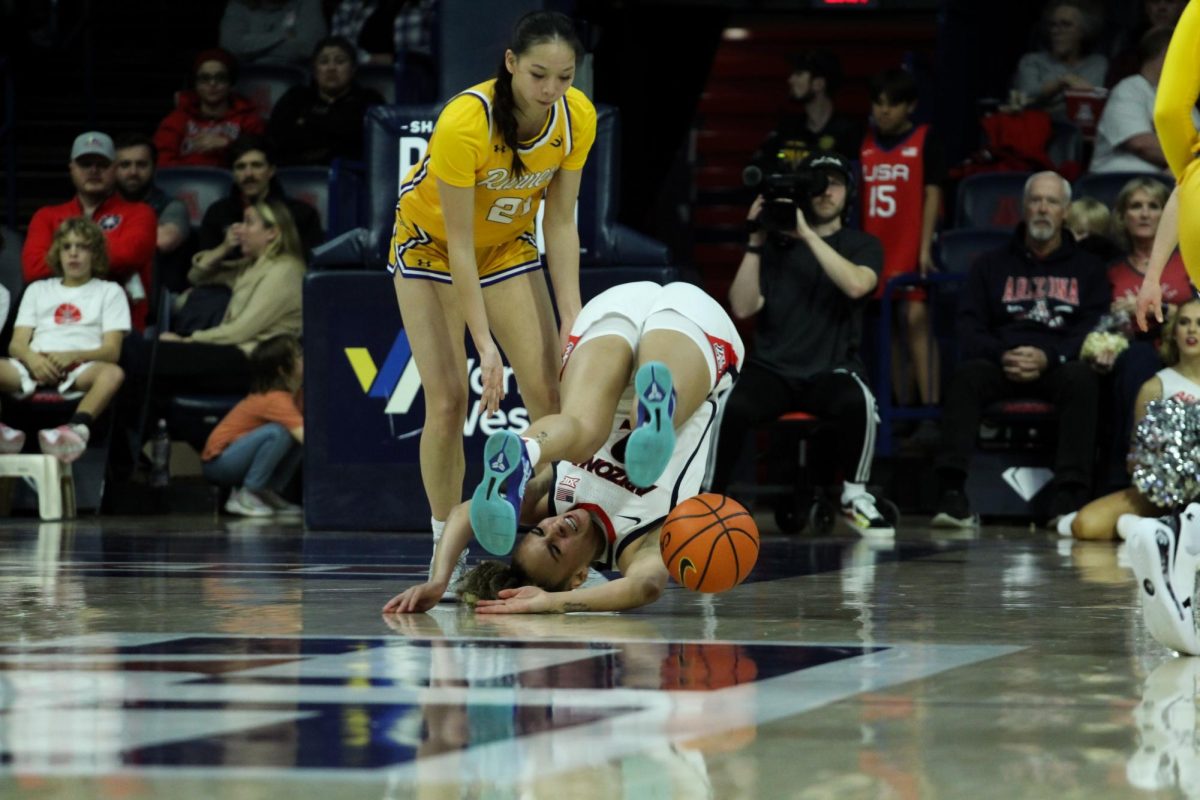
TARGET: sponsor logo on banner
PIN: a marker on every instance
(1027, 481)
(398, 381)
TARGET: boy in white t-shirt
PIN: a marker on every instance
(68, 335)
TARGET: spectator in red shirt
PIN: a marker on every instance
(130, 229)
(208, 118)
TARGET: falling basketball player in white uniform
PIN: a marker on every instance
(611, 468)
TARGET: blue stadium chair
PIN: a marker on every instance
(957, 249)
(1105, 186)
(603, 239)
(308, 185)
(264, 84)
(990, 200)
(196, 187)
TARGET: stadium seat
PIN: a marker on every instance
(264, 84)
(990, 200)
(308, 185)
(604, 240)
(196, 187)
(957, 249)
(1105, 186)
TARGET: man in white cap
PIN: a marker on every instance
(130, 229)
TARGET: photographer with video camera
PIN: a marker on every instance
(806, 278)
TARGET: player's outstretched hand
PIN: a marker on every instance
(526, 600)
(415, 599)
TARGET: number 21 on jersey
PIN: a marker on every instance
(505, 208)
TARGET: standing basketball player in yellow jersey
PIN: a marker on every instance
(464, 251)
(1175, 98)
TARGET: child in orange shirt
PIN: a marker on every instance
(259, 444)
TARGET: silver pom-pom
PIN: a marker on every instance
(1165, 454)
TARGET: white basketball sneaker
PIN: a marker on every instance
(1165, 554)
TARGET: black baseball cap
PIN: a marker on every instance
(829, 160)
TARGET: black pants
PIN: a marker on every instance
(1072, 387)
(192, 367)
(839, 399)
(179, 368)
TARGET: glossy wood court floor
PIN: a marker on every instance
(189, 657)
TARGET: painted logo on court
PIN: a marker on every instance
(413, 710)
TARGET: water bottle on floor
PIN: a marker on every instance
(160, 457)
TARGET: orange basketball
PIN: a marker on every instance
(709, 543)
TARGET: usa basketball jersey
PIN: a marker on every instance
(893, 200)
(627, 511)
(468, 149)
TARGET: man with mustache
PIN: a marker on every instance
(253, 162)
(1022, 317)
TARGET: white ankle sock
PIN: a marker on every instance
(438, 526)
(852, 490)
(533, 449)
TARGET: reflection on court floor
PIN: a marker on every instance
(186, 658)
(487, 708)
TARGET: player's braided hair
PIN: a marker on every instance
(532, 29)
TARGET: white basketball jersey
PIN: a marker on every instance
(629, 511)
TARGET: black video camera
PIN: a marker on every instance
(784, 192)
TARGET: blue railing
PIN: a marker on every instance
(889, 412)
(8, 136)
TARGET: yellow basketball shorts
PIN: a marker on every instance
(419, 254)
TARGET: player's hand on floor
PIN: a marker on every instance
(526, 600)
(415, 599)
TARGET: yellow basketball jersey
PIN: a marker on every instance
(467, 149)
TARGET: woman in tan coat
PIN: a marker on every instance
(266, 283)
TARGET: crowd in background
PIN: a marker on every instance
(235, 280)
